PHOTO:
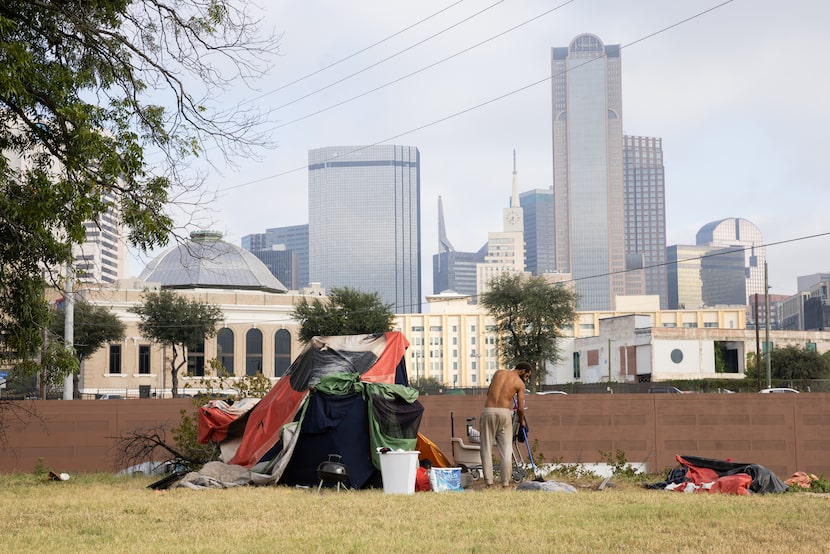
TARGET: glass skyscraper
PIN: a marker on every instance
(741, 234)
(364, 223)
(588, 169)
(540, 255)
(645, 210)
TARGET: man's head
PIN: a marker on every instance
(523, 369)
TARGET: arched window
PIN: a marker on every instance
(253, 352)
(196, 360)
(224, 350)
(282, 352)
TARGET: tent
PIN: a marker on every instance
(344, 395)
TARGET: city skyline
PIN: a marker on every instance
(705, 87)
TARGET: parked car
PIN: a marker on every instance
(777, 390)
(545, 392)
(110, 397)
(665, 389)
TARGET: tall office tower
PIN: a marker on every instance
(588, 169)
(540, 254)
(645, 210)
(739, 233)
(505, 249)
(295, 239)
(364, 221)
(452, 270)
(103, 257)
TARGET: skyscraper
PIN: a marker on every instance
(739, 234)
(588, 169)
(364, 228)
(645, 210)
(540, 254)
(103, 257)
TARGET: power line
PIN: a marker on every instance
(416, 72)
(386, 59)
(480, 105)
(350, 56)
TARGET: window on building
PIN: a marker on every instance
(196, 360)
(282, 352)
(576, 366)
(253, 352)
(144, 359)
(224, 350)
(115, 358)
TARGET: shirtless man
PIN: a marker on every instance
(496, 422)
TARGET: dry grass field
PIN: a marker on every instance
(103, 513)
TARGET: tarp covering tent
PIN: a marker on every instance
(706, 474)
(345, 395)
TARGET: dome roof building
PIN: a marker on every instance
(739, 233)
(208, 262)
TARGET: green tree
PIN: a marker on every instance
(795, 362)
(178, 323)
(345, 311)
(88, 88)
(93, 327)
(428, 385)
(529, 314)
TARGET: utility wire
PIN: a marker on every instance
(386, 59)
(477, 106)
(417, 71)
(350, 56)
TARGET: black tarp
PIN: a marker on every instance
(763, 480)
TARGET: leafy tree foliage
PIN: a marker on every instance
(428, 385)
(93, 327)
(796, 362)
(345, 311)
(88, 88)
(529, 313)
(178, 323)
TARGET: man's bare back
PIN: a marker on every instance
(504, 385)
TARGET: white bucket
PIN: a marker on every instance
(398, 470)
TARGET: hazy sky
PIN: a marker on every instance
(740, 97)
